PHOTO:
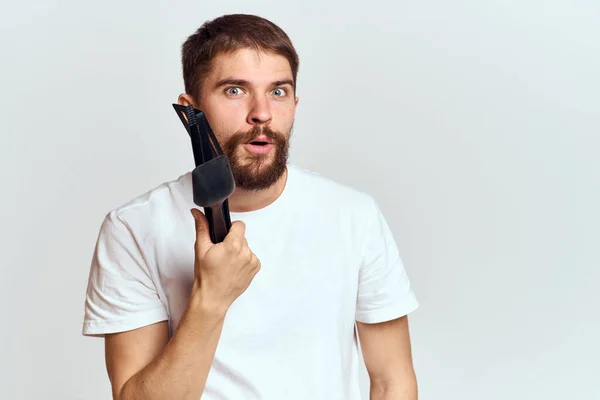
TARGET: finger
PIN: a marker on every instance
(237, 230)
(234, 244)
(203, 242)
(254, 261)
(246, 253)
(255, 270)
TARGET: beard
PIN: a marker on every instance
(257, 171)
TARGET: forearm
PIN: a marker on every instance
(180, 371)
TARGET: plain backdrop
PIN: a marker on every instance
(473, 123)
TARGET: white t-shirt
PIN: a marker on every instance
(328, 259)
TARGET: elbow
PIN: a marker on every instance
(117, 393)
(401, 387)
(123, 391)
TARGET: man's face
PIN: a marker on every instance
(248, 98)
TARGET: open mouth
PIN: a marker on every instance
(259, 147)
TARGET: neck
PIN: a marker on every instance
(251, 200)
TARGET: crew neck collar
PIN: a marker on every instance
(277, 203)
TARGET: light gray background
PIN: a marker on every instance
(473, 123)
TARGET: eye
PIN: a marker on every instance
(279, 92)
(233, 91)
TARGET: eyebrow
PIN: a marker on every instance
(243, 82)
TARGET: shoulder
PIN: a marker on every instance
(159, 203)
(329, 191)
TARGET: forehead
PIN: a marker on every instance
(251, 65)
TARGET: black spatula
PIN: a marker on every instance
(212, 179)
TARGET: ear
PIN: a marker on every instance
(296, 101)
(185, 100)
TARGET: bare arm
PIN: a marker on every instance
(143, 364)
(388, 357)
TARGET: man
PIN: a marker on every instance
(274, 311)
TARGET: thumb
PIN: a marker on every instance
(203, 242)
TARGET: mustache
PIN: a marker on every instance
(244, 137)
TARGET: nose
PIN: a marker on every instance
(259, 111)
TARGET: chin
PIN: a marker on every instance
(258, 173)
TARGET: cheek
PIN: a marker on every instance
(284, 114)
(227, 119)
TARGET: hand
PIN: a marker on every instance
(223, 271)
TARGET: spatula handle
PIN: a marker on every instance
(218, 222)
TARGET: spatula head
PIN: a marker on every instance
(213, 182)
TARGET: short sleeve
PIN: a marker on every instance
(384, 289)
(121, 294)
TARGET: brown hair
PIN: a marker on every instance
(230, 33)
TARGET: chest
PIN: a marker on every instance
(308, 282)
